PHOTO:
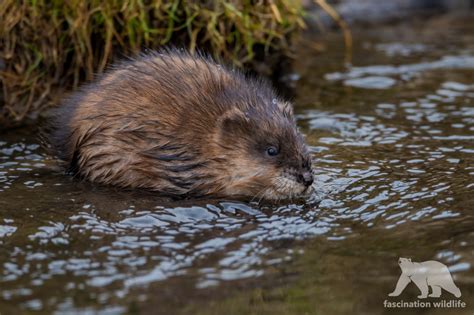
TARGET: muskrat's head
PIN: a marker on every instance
(267, 155)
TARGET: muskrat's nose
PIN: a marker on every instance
(306, 178)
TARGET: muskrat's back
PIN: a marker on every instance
(183, 125)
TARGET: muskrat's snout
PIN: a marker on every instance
(305, 178)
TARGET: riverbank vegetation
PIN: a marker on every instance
(48, 47)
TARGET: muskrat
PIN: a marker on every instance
(183, 125)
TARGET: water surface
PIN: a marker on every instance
(393, 145)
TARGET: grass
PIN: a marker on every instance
(49, 46)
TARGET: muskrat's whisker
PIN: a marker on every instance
(262, 191)
(260, 200)
(257, 194)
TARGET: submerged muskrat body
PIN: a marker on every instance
(183, 125)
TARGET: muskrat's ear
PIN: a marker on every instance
(286, 108)
(233, 120)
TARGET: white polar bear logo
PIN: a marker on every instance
(428, 273)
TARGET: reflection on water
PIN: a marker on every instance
(393, 177)
(377, 77)
(420, 159)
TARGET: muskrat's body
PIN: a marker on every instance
(184, 126)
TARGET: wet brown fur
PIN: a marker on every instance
(182, 125)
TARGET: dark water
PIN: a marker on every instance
(393, 146)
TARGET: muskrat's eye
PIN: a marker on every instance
(272, 151)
